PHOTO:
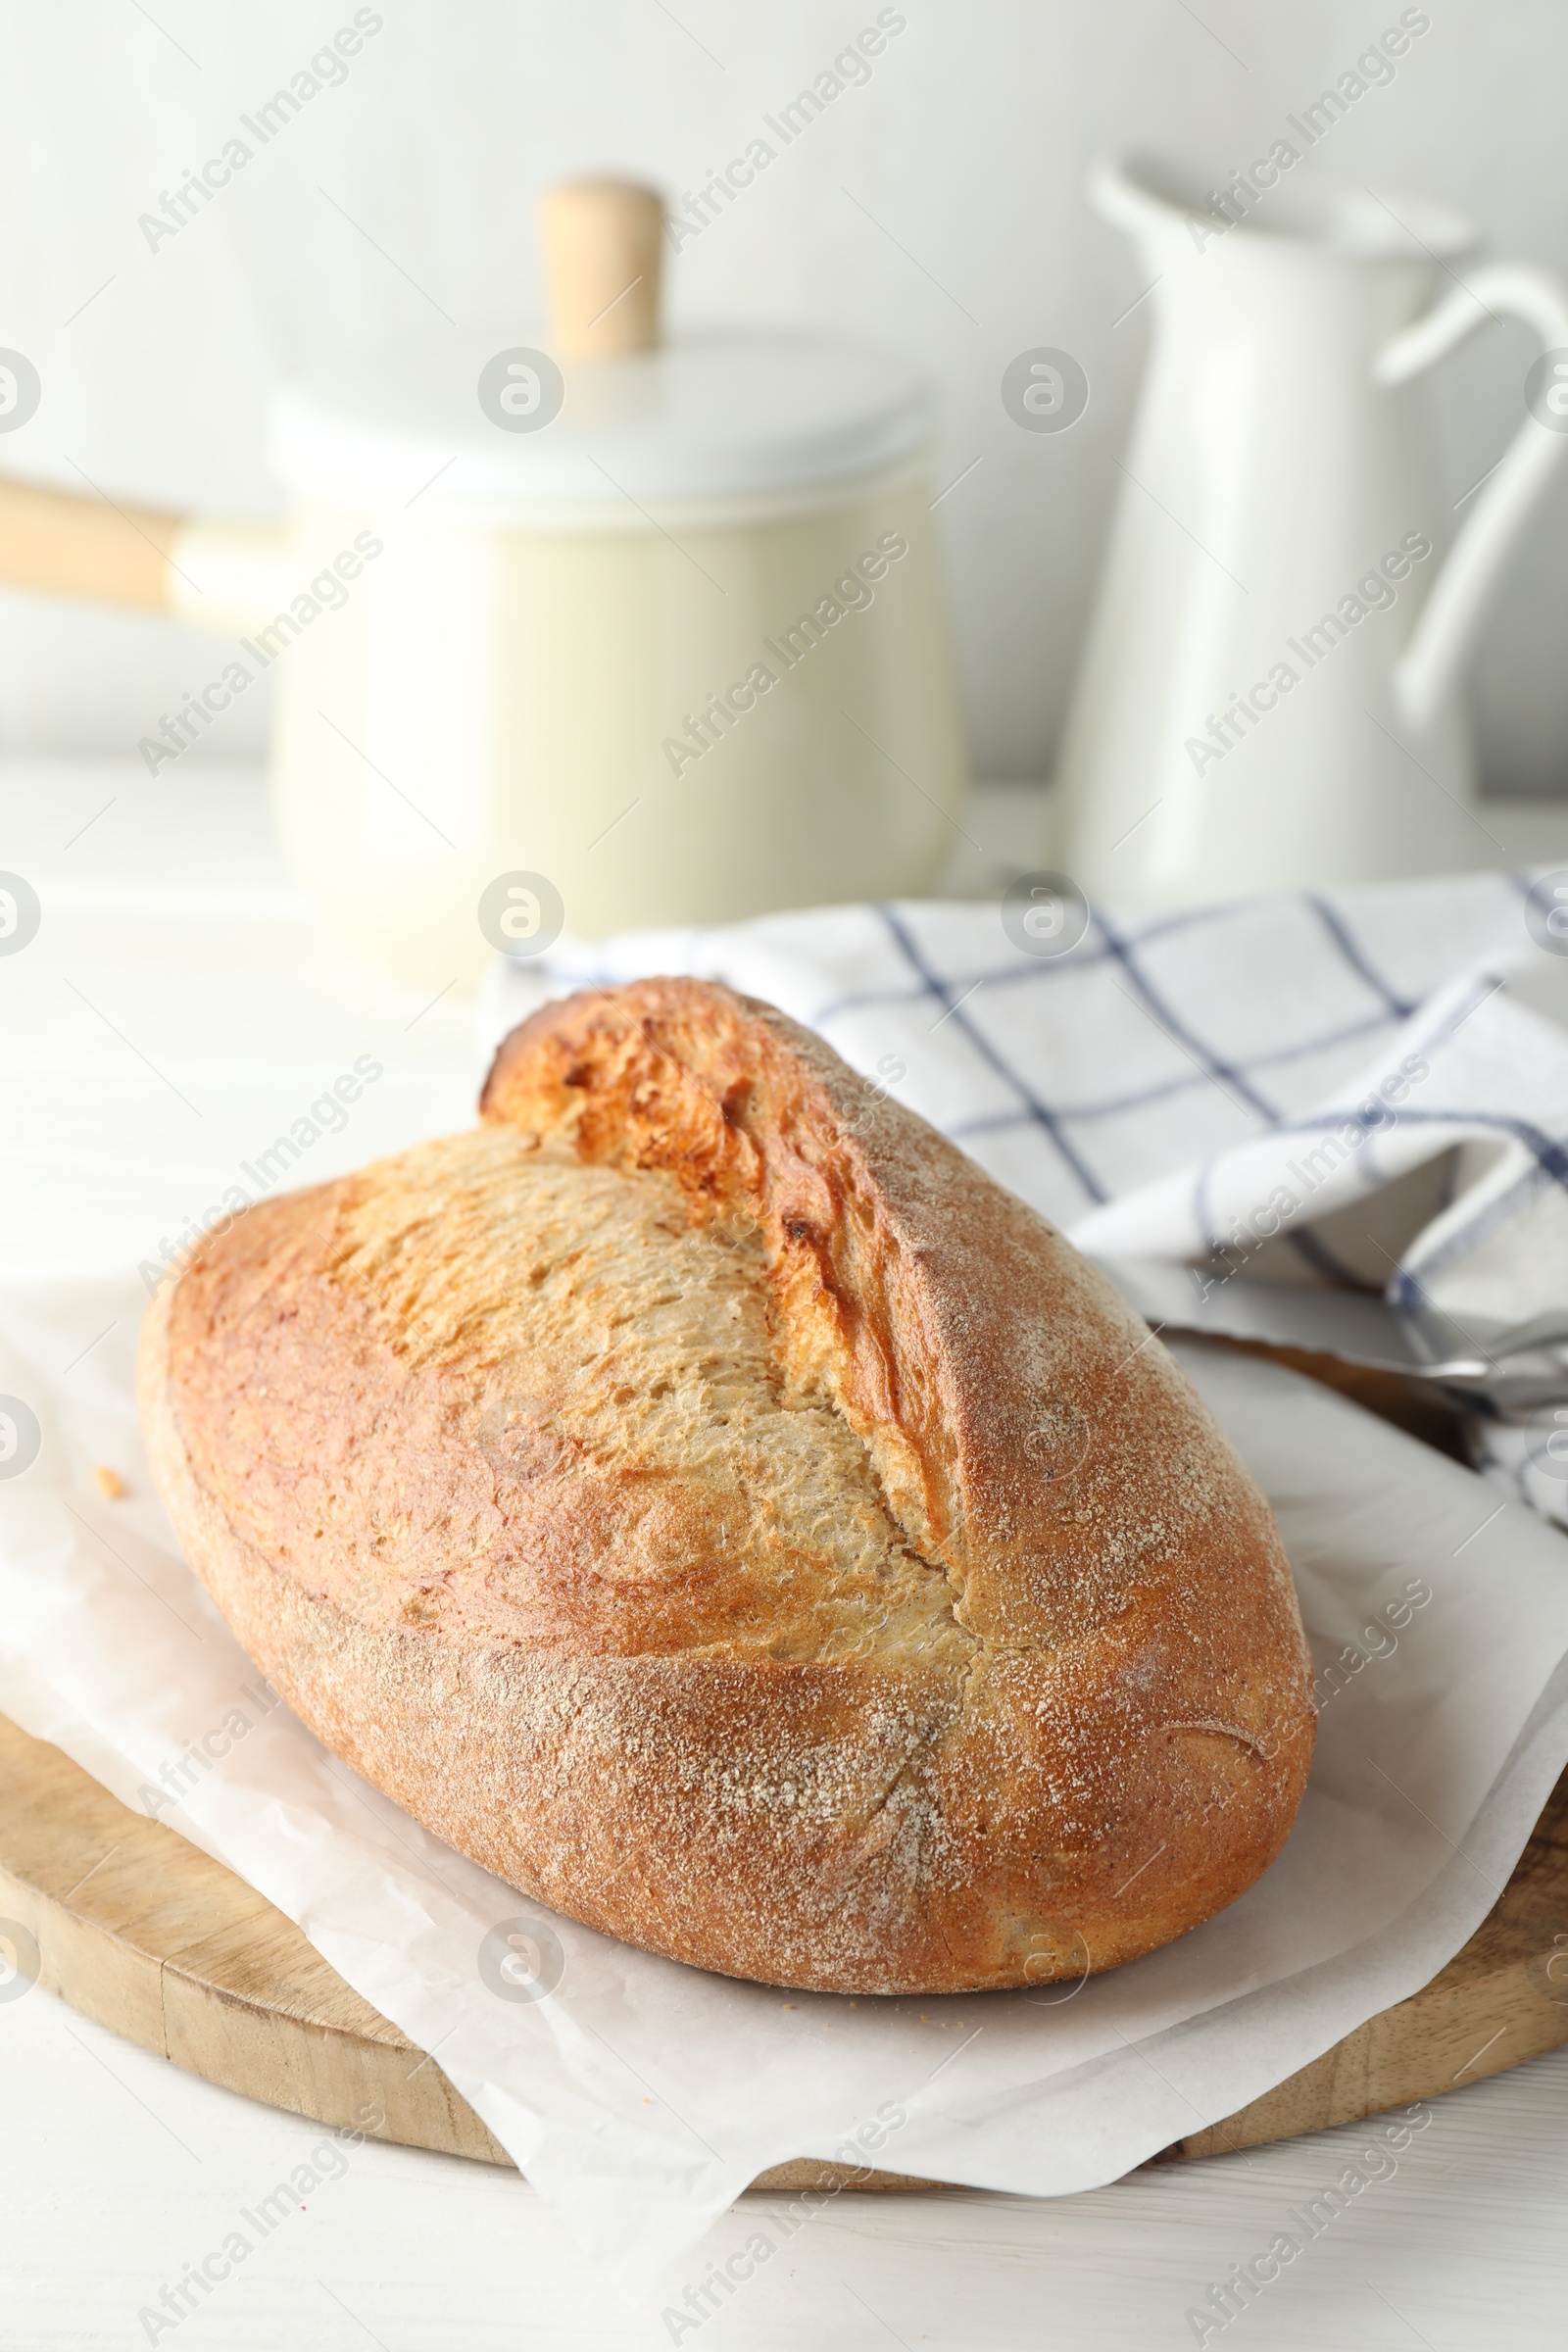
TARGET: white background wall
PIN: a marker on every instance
(969, 146)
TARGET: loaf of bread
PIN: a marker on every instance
(704, 1497)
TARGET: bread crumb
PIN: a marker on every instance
(109, 1483)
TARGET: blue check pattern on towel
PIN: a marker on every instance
(1365, 1086)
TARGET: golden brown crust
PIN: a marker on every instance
(704, 1497)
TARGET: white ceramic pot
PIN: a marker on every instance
(608, 635)
(681, 652)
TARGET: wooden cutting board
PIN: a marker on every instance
(141, 1931)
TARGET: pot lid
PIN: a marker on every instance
(469, 424)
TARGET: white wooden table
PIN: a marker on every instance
(117, 2170)
(176, 1010)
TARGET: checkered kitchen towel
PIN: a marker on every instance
(1365, 1086)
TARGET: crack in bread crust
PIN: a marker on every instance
(704, 1497)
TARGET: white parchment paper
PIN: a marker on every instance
(640, 2096)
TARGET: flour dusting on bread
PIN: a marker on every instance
(706, 1498)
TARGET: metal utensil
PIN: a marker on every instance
(1514, 1368)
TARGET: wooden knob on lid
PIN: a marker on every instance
(603, 246)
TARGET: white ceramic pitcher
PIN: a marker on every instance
(1271, 690)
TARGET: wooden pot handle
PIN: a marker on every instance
(603, 247)
(72, 546)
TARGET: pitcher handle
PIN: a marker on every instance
(1452, 613)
